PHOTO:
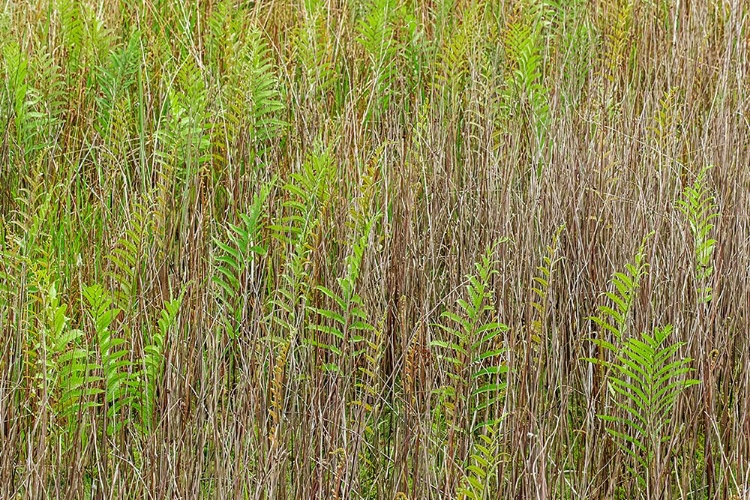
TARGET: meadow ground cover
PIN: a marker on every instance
(375, 249)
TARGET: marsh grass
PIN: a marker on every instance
(244, 249)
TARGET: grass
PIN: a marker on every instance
(374, 249)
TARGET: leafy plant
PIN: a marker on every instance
(116, 367)
(646, 380)
(613, 317)
(253, 102)
(376, 34)
(234, 265)
(481, 481)
(699, 207)
(472, 351)
(152, 364)
(66, 372)
(525, 96)
(307, 197)
(347, 322)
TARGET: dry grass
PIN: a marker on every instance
(231, 232)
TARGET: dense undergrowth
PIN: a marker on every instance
(374, 249)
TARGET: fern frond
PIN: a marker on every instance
(234, 263)
(613, 316)
(541, 286)
(346, 324)
(152, 364)
(646, 381)
(699, 206)
(480, 479)
(116, 366)
(473, 348)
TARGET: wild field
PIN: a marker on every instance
(377, 249)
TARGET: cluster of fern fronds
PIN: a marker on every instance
(374, 249)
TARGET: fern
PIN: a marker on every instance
(473, 350)
(114, 81)
(345, 327)
(185, 139)
(699, 207)
(525, 96)
(115, 364)
(347, 322)
(67, 370)
(480, 481)
(646, 381)
(128, 259)
(315, 52)
(234, 265)
(541, 288)
(254, 101)
(307, 195)
(153, 363)
(28, 121)
(376, 35)
(613, 317)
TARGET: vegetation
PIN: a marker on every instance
(375, 249)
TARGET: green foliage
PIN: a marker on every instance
(186, 142)
(613, 317)
(253, 100)
(36, 91)
(153, 363)
(699, 207)
(525, 97)
(542, 281)
(234, 271)
(116, 367)
(127, 258)
(137, 143)
(472, 350)
(646, 381)
(481, 481)
(115, 79)
(315, 51)
(306, 196)
(65, 374)
(346, 325)
(376, 35)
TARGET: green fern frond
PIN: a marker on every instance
(480, 481)
(345, 325)
(127, 258)
(152, 364)
(67, 369)
(307, 194)
(525, 97)
(613, 316)
(114, 80)
(116, 366)
(376, 35)
(699, 206)
(253, 101)
(646, 381)
(235, 261)
(473, 348)
(542, 284)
